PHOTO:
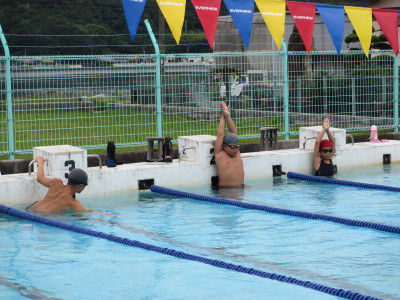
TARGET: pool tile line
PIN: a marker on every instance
(179, 254)
(274, 210)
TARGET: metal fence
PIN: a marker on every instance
(86, 101)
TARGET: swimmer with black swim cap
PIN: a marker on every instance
(227, 155)
(61, 197)
(77, 176)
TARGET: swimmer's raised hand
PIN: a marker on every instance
(326, 124)
(39, 159)
(225, 109)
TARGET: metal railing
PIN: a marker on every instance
(86, 101)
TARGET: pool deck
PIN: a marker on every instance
(194, 168)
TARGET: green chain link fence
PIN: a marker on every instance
(86, 101)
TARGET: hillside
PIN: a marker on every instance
(66, 27)
(82, 27)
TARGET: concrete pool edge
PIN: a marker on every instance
(195, 169)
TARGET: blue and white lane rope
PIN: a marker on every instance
(342, 182)
(213, 262)
(274, 210)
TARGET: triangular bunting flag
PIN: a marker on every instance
(361, 18)
(208, 13)
(242, 12)
(333, 17)
(274, 13)
(387, 20)
(174, 13)
(303, 15)
(133, 12)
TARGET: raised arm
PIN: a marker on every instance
(41, 178)
(220, 135)
(228, 119)
(325, 129)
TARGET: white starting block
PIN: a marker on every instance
(308, 135)
(198, 148)
(60, 160)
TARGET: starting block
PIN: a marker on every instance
(60, 160)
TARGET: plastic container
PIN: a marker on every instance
(374, 133)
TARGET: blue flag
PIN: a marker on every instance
(242, 12)
(333, 17)
(133, 10)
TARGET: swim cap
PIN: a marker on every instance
(324, 144)
(78, 176)
(231, 139)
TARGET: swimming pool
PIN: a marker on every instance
(45, 262)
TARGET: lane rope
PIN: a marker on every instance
(342, 182)
(274, 210)
(179, 254)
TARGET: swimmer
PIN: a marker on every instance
(227, 155)
(61, 197)
(324, 151)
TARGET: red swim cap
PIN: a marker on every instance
(324, 144)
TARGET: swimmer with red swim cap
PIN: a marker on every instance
(324, 151)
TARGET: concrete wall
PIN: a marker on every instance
(195, 168)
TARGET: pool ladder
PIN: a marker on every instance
(98, 157)
(31, 164)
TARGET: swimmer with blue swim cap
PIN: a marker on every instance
(227, 155)
(61, 197)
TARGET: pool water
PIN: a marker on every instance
(42, 262)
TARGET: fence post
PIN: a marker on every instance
(325, 93)
(158, 78)
(396, 93)
(353, 97)
(299, 91)
(10, 118)
(285, 89)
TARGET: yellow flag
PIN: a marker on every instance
(174, 13)
(274, 13)
(361, 18)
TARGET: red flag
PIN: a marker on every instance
(387, 20)
(208, 12)
(303, 15)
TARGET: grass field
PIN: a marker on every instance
(92, 129)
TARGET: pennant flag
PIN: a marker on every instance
(242, 15)
(274, 13)
(133, 12)
(174, 13)
(387, 20)
(333, 17)
(361, 18)
(303, 15)
(208, 13)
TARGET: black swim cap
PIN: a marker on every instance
(78, 176)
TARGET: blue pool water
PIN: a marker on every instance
(41, 262)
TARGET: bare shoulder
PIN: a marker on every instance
(56, 182)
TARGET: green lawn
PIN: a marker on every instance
(127, 127)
